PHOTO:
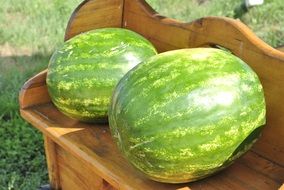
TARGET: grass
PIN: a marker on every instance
(22, 163)
(38, 25)
(29, 33)
(267, 22)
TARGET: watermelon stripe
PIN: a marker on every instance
(99, 102)
(85, 115)
(87, 83)
(84, 67)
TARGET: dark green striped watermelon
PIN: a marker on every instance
(186, 114)
(83, 73)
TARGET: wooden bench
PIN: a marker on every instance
(83, 156)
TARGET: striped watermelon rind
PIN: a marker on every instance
(84, 71)
(185, 114)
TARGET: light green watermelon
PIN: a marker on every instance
(82, 74)
(185, 114)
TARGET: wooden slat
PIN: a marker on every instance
(36, 81)
(74, 174)
(224, 181)
(164, 34)
(93, 144)
(245, 175)
(263, 166)
(92, 14)
(165, 30)
(34, 91)
(51, 158)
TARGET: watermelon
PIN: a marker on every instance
(83, 73)
(185, 114)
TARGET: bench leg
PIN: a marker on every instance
(50, 152)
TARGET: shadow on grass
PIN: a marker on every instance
(22, 163)
(14, 71)
(24, 64)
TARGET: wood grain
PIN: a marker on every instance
(34, 91)
(90, 148)
(270, 169)
(51, 158)
(93, 146)
(75, 174)
(92, 14)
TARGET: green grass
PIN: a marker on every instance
(29, 33)
(22, 163)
